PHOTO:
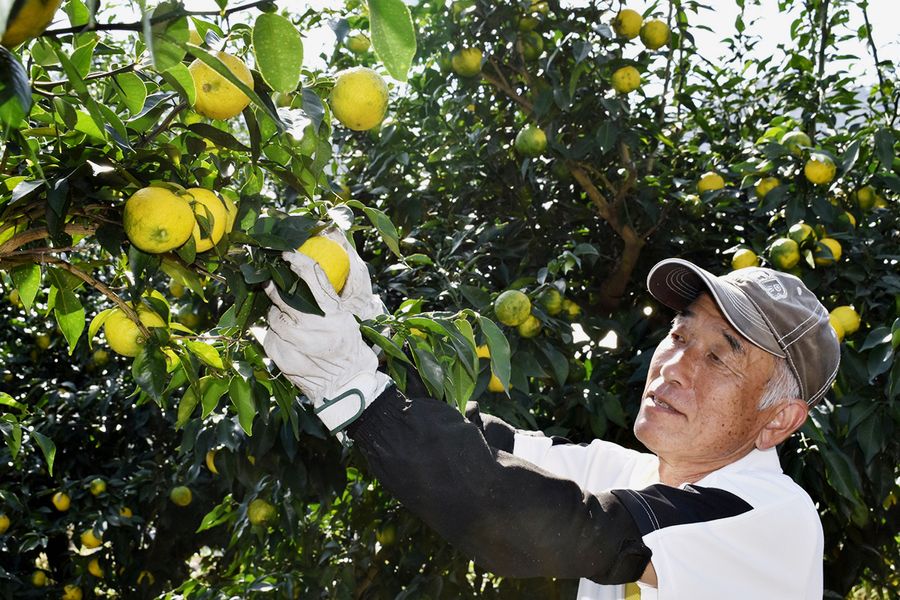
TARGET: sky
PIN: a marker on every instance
(764, 21)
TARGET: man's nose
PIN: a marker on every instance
(676, 368)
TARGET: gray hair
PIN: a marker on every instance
(781, 386)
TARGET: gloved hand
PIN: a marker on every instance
(325, 356)
(357, 296)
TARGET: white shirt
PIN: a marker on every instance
(772, 550)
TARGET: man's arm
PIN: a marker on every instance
(510, 516)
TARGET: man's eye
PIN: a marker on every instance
(714, 358)
(676, 337)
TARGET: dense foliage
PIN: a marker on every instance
(448, 214)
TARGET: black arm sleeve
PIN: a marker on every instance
(512, 517)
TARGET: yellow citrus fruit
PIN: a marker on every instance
(744, 258)
(157, 220)
(512, 308)
(528, 23)
(218, 98)
(626, 79)
(866, 197)
(494, 384)
(784, 253)
(819, 169)
(531, 141)
(207, 204)
(260, 512)
(61, 501)
(331, 256)
(796, 141)
(211, 461)
(710, 181)
(571, 309)
(4, 523)
(654, 34)
(15, 299)
(627, 23)
(125, 512)
(551, 301)
(100, 357)
(359, 98)
(532, 45)
(386, 535)
(71, 592)
(231, 211)
(838, 328)
(98, 486)
(123, 335)
(847, 317)
(847, 220)
(359, 43)
(95, 569)
(89, 540)
(766, 185)
(827, 252)
(181, 495)
(466, 62)
(30, 21)
(539, 7)
(483, 351)
(194, 37)
(42, 341)
(39, 579)
(801, 233)
(146, 577)
(530, 327)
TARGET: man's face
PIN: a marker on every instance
(699, 406)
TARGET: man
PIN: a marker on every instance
(709, 514)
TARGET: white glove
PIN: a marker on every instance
(325, 356)
(356, 297)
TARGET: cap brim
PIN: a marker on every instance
(677, 283)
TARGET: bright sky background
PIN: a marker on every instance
(763, 21)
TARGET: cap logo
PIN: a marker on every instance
(770, 285)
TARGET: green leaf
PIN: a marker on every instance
(81, 90)
(499, 347)
(211, 389)
(393, 35)
(12, 434)
(242, 398)
(47, 447)
(429, 369)
(205, 353)
(179, 77)
(385, 343)
(97, 322)
(460, 385)
(186, 407)
(278, 50)
(884, 147)
(70, 316)
(131, 89)
(183, 275)
(15, 90)
(149, 371)
(27, 279)
(385, 227)
(169, 37)
(841, 473)
(217, 515)
(7, 400)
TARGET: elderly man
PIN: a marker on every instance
(707, 514)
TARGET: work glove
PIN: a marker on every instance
(326, 356)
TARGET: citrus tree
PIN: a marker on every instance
(535, 161)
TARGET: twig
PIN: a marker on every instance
(169, 16)
(882, 87)
(162, 126)
(20, 239)
(504, 86)
(91, 77)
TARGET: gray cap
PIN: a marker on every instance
(773, 310)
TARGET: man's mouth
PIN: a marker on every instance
(660, 403)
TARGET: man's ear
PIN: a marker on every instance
(785, 418)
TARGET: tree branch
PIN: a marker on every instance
(20, 239)
(882, 87)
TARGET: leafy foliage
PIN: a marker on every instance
(447, 215)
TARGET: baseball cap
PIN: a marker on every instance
(773, 310)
